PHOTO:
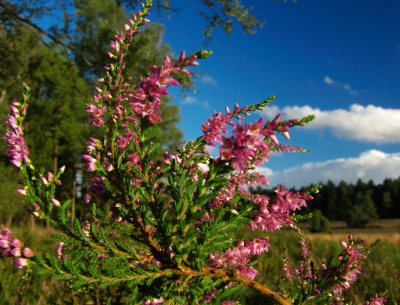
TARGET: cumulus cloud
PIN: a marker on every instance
(370, 165)
(347, 87)
(362, 123)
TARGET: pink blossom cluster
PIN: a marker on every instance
(377, 300)
(17, 151)
(303, 271)
(13, 248)
(154, 301)
(240, 256)
(246, 147)
(351, 261)
(146, 98)
(117, 87)
(274, 214)
(144, 102)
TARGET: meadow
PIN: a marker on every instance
(380, 272)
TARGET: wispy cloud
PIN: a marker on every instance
(370, 165)
(191, 100)
(207, 79)
(328, 80)
(347, 87)
(362, 123)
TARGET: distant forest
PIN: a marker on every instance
(346, 201)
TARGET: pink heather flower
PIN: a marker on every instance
(248, 272)
(4, 244)
(90, 163)
(22, 191)
(92, 145)
(34, 209)
(44, 180)
(154, 302)
(86, 228)
(5, 234)
(377, 300)
(166, 158)
(16, 252)
(21, 262)
(16, 243)
(87, 198)
(232, 302)
(27, 252)
(258, 245)
(95, 114)
(17, 151)
(115, 45)
(55, 202)
(59, 249)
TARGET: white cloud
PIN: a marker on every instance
(328, 80)
(345, 86)
(191, 100)
(362, 123)
(349, 89)
(371, 164)
(207, 79)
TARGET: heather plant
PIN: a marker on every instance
(163, 231)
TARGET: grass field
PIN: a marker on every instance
(380, 272)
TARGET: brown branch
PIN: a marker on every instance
(29, 23)
(210, 272)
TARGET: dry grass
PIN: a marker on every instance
(386, 230)
(370, 235)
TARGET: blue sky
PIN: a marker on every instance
(337, 59)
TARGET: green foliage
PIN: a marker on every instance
(361, 212)
(319, 223)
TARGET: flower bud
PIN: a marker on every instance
(44, 180)
(4, 244)
(16, 252)
(55, 202)
(21, 262)
(5, 234)
(16, 243)
(22, 191)
(27, 252)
